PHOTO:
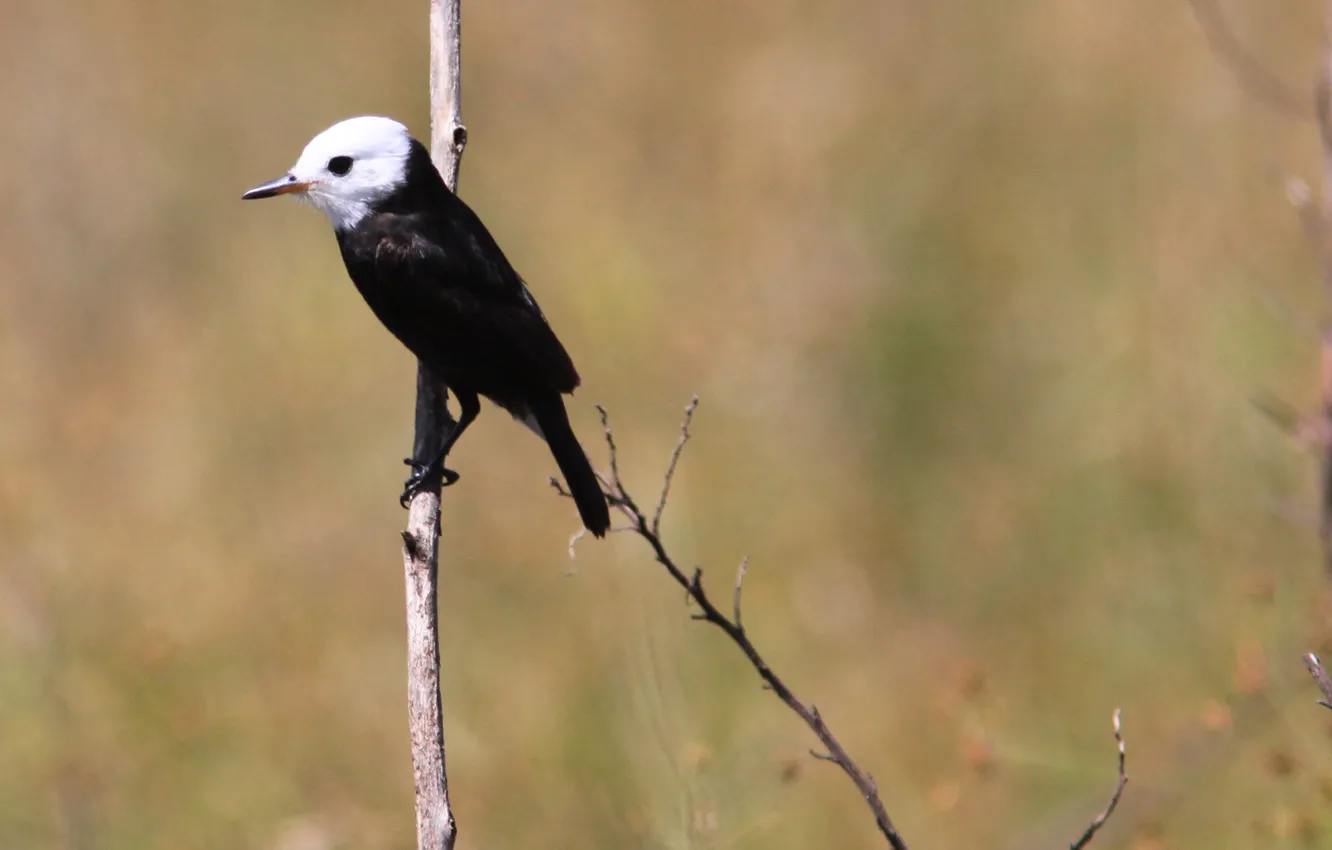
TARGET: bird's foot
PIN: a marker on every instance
(425, 476)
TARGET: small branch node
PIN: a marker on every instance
(559, 488)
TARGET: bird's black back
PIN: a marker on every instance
(435, 277)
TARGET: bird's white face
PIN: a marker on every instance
(346, 169)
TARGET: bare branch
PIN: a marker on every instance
(1252, 75)
(670, 467)
(435, 827)
(610, 444)
(693, 586)
(1099, 820)
(1321, 677)
(692, 583)
(573, 541)
(448, 135)
(558, 487)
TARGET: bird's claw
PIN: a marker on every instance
(423, 476)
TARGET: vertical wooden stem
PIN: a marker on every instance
(435, 827)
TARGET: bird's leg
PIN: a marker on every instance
(426, 474)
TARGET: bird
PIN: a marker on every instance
(434, 276)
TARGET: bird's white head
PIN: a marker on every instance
(344, 170)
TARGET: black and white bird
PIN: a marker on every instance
(435, 277)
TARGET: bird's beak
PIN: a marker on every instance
(282, 186)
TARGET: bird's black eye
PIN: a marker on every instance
(340, 165)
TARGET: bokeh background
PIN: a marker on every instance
(976, 296)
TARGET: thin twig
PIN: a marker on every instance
(1321, 677)
(670, 467)
(692, 582)
(1253, 76)
(1099, 820)
(610, 441)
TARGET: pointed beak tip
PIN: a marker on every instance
(282, 186)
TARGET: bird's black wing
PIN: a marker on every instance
(441, 284)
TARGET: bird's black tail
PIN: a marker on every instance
(553, 421)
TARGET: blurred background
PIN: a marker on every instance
(976, 296)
